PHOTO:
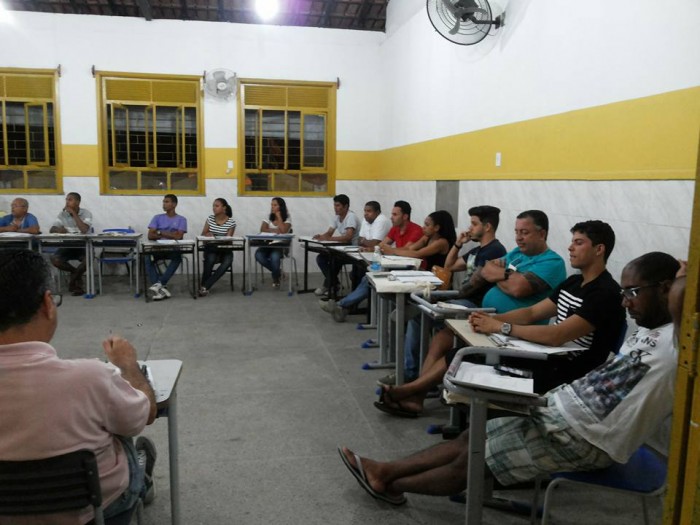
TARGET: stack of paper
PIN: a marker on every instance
(484, 376)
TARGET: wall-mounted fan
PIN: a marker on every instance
(220, 83)
(464, 22)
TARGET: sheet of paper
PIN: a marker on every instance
(484, 376)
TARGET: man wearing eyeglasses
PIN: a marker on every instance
(53, 406)
(589, 316)
(20, 220)
(600, 418)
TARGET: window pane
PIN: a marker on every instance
(131, 136)
(183, 181)
(123, 180)
(167, 124)
(52, 140)
(154, 180)
(293, 140)
(252, 134)
(41, 179)
(37, 147)
(11, 179)
(286, 182)
(117, 122)
(16, 136)
(191, 138)
(258, 182)
(316, 182)
(314, 141)
(273, 139)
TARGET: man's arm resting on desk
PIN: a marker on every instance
(325, 236)
(346, 237)
(122, 355)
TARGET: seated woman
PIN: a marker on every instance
(438, 237)
(279, 221)
(220, 224)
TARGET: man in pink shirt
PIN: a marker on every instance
(53, 406)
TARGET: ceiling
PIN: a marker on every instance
(363, 15)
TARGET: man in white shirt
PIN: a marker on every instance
(374, 227)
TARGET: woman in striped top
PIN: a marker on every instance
(220, 224)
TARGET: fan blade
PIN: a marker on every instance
(450, 7)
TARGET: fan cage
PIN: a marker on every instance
(469, 32)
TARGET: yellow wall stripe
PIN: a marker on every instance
(216, 163)
(80, 160)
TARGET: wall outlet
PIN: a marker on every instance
(229, 164)
(498, 159)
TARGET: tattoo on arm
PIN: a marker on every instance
(476, 282)
(537, 284)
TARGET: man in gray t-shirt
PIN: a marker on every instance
(72, 219)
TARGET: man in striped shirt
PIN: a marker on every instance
(587, 308)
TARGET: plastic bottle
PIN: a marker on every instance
(376, 260)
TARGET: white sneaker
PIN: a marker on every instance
(159, 295)
(321, 291)
(165, 292)
(327, 306)
(155, 288)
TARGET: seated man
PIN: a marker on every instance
(169, 226)
(20, 220)
(343, 229)
(602, 417)
(484, 223)
(58, 405)
(402, 233)
(539, 270)
(72, 219)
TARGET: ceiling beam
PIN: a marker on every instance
(327, 10)
(221, 11)
(361, 17)
(145, 8)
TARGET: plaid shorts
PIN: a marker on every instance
(518, 449)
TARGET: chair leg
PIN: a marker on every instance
(548, 495)
(139, 512)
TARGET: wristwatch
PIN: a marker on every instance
(507, 273)
(506, 328)
(158, 233)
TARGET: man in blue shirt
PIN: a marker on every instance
(20, 220)
(165, 226)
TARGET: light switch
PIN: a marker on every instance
(229, 164)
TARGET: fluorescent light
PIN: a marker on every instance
(267, 9)
(5, 15)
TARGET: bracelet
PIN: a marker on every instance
(459, 247)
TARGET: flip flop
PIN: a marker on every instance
(359, 474)
(397, 410)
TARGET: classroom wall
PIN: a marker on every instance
(568, 94)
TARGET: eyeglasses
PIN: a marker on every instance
(57, 299)
(633, 291)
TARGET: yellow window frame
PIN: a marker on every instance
(280, 103)
(151, 105)
(40, 97)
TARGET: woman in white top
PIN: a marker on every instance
(220, 224)
(279, 221)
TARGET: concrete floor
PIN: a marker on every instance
(270, 386)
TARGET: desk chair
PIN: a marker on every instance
(118, 252)
(52, 485)
(643, 475)
(287, 257)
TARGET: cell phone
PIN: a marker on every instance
(513, 372)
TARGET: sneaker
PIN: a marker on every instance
(165, 292)
(146, 447)
(155, 287)
(339, 314)
(387, 380)
(276, 285)
(203, 292)
(159, 296)
(327, 306)
(321, 291)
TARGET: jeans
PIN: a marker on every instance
(411, 345)
(173, 265)
(329, 268)
(120, 510)
(270, 258)
(357, 295)
(211, 257)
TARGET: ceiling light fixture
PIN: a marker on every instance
(267, 9)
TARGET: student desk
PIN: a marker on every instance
(166, 373)
(315, 246)
(234, 244)
(387, 290)
(72, 240)
(118, 240)
(277, 241)
(16, 241)
(185, 247)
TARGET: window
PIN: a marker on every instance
(28, 132)
(286, 138)
(150, 137)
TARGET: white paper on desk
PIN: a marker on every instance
(519, 344)
(15, 234)
(348, 248)
(452, 306)
(484, 376)
(166, 241)
(419, 279)
(411, 273)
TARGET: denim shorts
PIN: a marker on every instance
(136, 489)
